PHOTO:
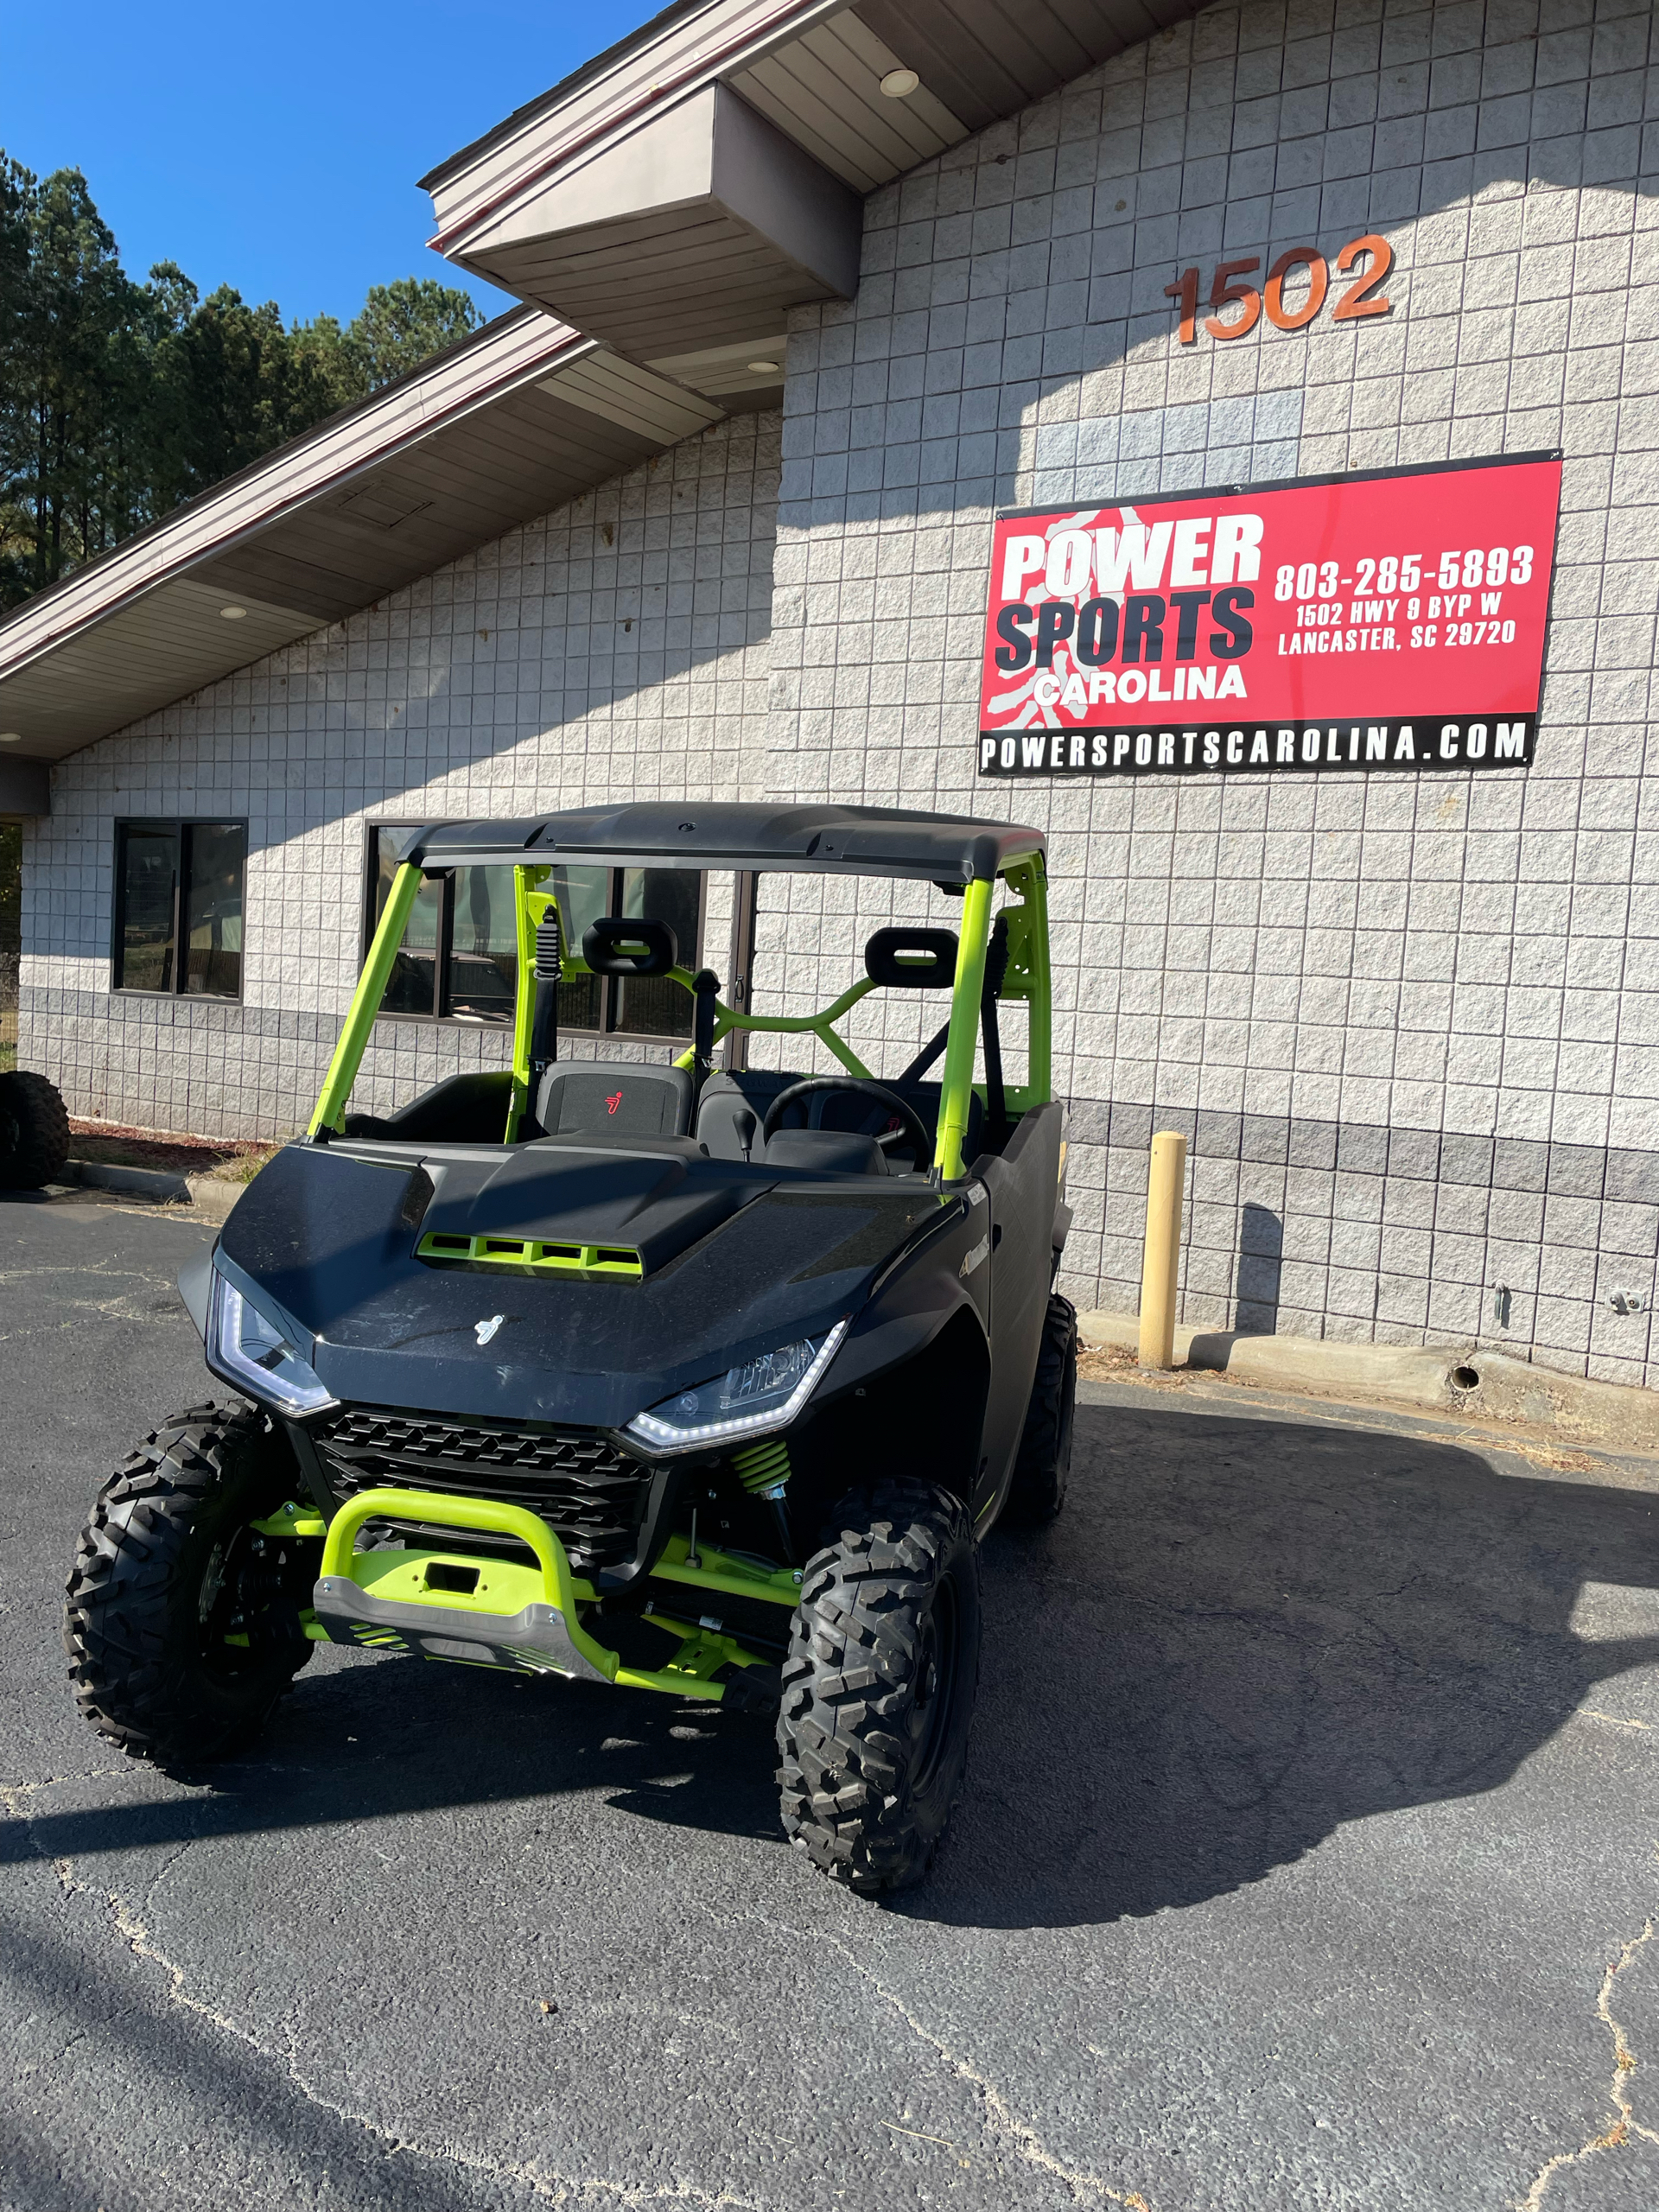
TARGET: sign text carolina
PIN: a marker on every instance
(1390, 620)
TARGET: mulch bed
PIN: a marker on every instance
(115, 1146)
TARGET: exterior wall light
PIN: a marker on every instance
(899, 84)
(232, 614)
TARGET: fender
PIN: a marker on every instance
(195, 1287)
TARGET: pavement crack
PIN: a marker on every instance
(1625, 2123)
(555, 2188)
(1000, 2119)
(15, 1796)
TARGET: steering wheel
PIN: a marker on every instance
(911, 1130)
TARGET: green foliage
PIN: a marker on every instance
(402, 325)
(118, 400)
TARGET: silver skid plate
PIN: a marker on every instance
(535, 1641)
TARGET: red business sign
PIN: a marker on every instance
(1390, 620)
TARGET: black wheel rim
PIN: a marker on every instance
(938, 1666)
(241, 1592)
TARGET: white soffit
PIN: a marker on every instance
(753, 366)
(620, 391)
(494, 432)
(824, 90)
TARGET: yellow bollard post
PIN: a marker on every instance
(1165, 1185)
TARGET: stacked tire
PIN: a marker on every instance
(33, 1131)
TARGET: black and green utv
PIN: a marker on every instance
(553, 1363)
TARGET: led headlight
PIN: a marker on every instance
(763, 1394)
(250, 1348)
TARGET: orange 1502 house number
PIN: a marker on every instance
(1351, 306)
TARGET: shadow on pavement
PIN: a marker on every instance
(1241, 1634)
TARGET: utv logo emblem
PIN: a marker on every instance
(484, 1329)
(613, 1101)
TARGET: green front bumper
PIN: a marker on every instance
(493, 1612)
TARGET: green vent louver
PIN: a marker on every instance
(608, 1262)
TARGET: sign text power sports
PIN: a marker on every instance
(1392, 620)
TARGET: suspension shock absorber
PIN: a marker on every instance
(763, 1470)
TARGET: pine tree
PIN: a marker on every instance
(119, 400)
(403, 324)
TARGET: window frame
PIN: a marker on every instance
(607, 984)
(182, 825)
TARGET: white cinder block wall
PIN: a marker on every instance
(1413, 1030)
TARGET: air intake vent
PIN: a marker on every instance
(533, 1255)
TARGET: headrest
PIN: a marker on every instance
(913, 959)
(613, 945)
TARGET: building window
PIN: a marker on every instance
(459, 962)
(178, 907)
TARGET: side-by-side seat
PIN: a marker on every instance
(621, 1098)
(832, 1132)
(469, 1109)
(733, 1108)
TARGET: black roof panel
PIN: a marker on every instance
(688, 833)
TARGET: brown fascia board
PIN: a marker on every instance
(25, 636)
(645, 35)
(688, 62)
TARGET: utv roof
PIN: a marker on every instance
(686, 833)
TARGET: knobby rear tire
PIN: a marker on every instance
(33, 1130)
(166, 1568)
(878, 1687)
(1043, 1467)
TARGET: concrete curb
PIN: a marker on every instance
(1444, 1378)
(207, 1194)
(131, 1182)
(213, 1196)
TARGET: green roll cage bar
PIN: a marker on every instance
(1027, 977)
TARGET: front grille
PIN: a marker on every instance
(589, 1493)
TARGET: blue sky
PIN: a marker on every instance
(275, 147)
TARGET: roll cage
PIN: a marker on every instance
(1013, 859)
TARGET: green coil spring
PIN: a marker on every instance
(763, 1469)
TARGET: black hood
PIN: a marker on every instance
(737, 1260)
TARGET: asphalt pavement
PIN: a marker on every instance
(1310, 1857)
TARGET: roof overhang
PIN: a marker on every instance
(660, 213)
(704, 228)
(677, 196)
(499, 428)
